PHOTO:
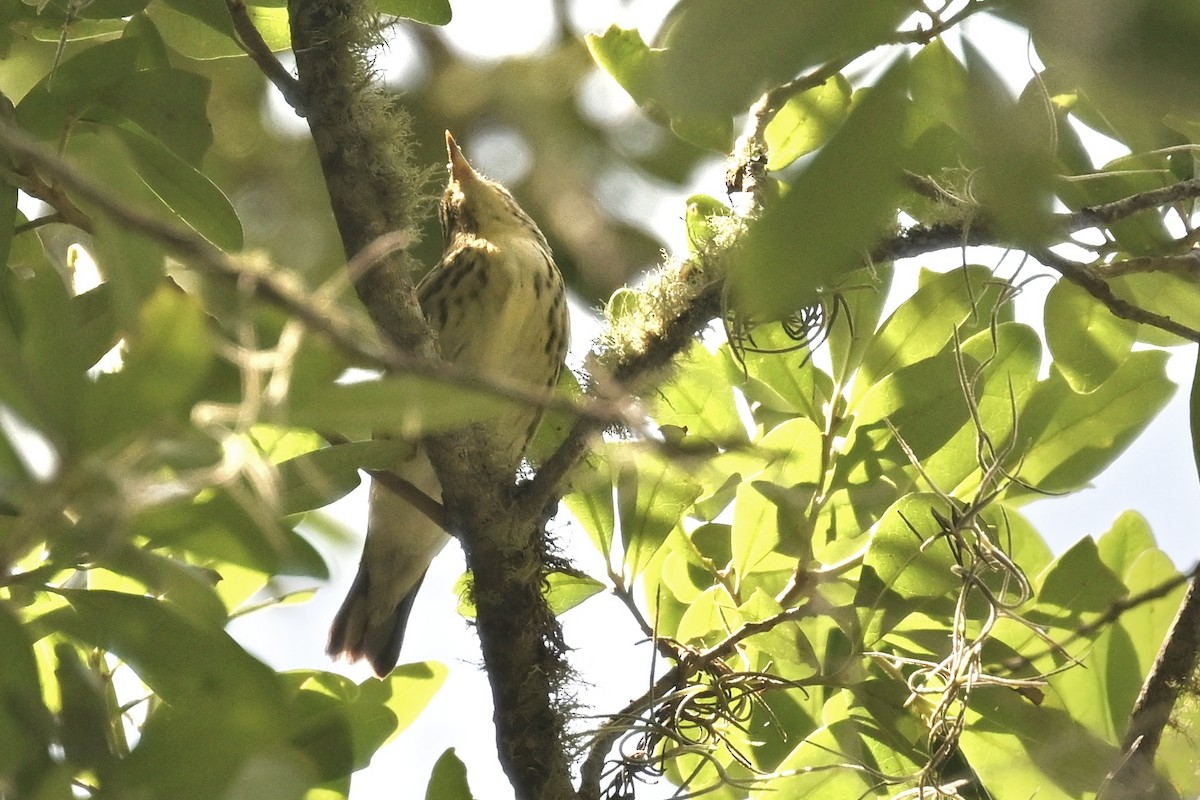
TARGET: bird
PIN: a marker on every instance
(497, 302)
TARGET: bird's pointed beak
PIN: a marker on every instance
(460, 168)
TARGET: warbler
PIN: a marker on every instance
(498, 304)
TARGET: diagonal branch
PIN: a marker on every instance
(1086, 278)
(1176, 662)
(260, 53)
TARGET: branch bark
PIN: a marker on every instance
(365, 153)
(1178, 659)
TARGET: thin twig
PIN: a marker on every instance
(1110, 615)
(260, 53)
(32, 184)
(34, 224)
(1186, 264)
(1086, 278)
(405, 489)
(1107, 213)
(925, 35)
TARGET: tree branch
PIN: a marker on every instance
(1186, 264)
(364, 146)
(256, 47)
(1086, 278)
(1135, 776)
(1108, 213)
(940, 26)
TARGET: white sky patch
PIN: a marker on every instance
(484, 30)
(36, 453)
(501, 153)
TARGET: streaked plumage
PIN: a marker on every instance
(498, 304)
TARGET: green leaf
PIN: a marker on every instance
(133, 266)
(384, 707)
(709, 618)
(316, 479)
(561, 590)
(80, 30)
(783, 642)
(111, 9)
(590, 501)
(26, 725)
(780, 491)
(216, 526)
(1018, 749)
(203, 29)
(806, 121)
(189, 588)
(842, 200)
(714, 66)
(923, 401)
(1174, 296)
(430, 12)
(624, 55)
(1088, 343)
(1131, 60)
(183, 189)
(564, 592)
(556, 424)
(1125, 542)
(168, 105)
(167, 358)
(652, 496)
(405, 405)
(85, 80)
(152, 50)
(97, 322)
(822, 765)
(1149, 622)
(341, 725)
(449, 779)
(901, 573)
(1014, 141)
(51, 361)
(1076, 585)
(1012, 355)
(938, 82)
(182, 661)
(87, 737)
(700, 399)
(776, 375)
(1072, 437)
(1140, 234)
(854, 317)
(685, 579)
(214, 750)
(923, 324)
